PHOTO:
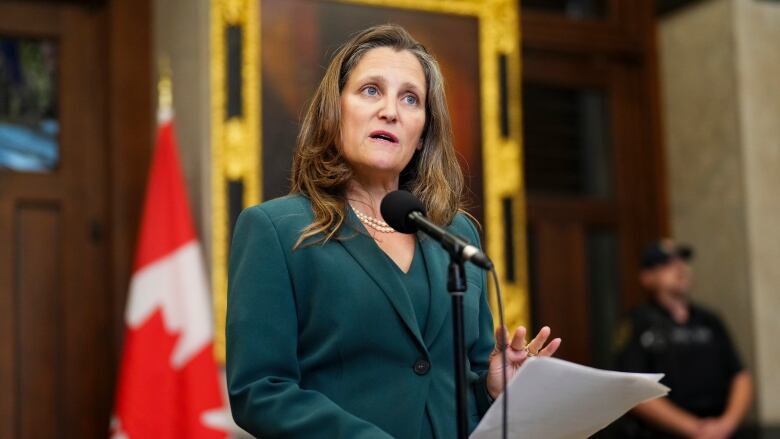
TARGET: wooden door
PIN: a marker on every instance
(592, 190)
(592, 164)
(56, 334)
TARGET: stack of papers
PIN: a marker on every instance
(555, 399)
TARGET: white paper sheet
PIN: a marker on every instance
(555, 399)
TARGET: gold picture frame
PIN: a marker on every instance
(236, 141)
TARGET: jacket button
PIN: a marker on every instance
(421, 366)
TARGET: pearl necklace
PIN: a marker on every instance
(372, 222)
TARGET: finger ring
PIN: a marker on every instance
(530, 353)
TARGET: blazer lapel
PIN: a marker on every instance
(436, 263)
(368, 255)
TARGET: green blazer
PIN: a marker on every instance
(322, 341)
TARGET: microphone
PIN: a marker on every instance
(406, 214)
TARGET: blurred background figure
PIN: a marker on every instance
(711, 389)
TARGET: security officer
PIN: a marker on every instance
(711, 390)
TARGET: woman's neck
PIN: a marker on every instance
(367, 196)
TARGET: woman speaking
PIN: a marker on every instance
(338, 326)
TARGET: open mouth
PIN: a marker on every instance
(384, 135)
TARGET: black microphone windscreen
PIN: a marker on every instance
(396, 207)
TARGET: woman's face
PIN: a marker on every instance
(383, 112)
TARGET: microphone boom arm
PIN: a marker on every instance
(457, 247)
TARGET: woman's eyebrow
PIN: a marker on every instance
(374, 78)
(413, 87)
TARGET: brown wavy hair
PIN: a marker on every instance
(320, 171)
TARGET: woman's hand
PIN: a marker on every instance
(517, 351)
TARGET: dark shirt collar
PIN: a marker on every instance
(663, 310)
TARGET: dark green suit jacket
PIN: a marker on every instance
(322, 341)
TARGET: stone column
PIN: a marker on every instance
(758, 67)
(182, 35)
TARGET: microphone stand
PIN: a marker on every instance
(456, 285)
(406, 214)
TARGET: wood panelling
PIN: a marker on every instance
(88, 296)
(29, 19)
(8, 379)
(620, 33)
(131, 135)
(38, 317)
(597, 212)
(560, 258)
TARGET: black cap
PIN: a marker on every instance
(663, 251)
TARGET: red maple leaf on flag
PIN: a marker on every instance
(168, 381)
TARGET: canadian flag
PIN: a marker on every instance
(168, 380)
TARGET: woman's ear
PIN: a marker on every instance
(420, 144)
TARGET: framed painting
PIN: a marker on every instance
(268, 57)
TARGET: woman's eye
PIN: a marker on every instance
(410, 99)
(371, 90)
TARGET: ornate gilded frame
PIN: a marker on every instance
(237, 141)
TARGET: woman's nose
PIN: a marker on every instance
(389, 110)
